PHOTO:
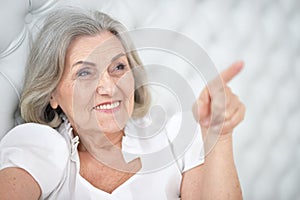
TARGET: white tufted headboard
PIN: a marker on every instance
(264, 33)
(20, 21)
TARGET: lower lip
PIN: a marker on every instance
(110, 110)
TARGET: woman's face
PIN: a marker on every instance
(96, 91)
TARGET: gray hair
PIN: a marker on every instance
(46, 62)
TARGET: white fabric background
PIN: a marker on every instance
(263, 33)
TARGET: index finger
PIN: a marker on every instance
(229, 73)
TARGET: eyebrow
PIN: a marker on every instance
(117, 56)
(84, 62)
(93, 64)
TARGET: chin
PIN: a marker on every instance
(114, 123)
(111, 127)
(110, 130)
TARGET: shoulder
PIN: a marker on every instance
(38, 149)
(35, 138)
(33, 133)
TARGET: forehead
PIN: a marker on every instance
(101, 47)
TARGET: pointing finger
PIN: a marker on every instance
(225, 76)
(232, 71)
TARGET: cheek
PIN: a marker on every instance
(131, 97)
(126, 86)
(81, 105)
(83, 92)
(129, 88)
(65, 96)
(131, 104)
(82, 100)
(73, 97)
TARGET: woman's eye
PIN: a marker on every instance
(120, 67)
(117, 69)
(83, 73)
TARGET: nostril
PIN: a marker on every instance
(105, 90)
(106, 85)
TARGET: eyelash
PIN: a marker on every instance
(118, 67)
(83, 71)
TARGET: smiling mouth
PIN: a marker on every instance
(107, 106)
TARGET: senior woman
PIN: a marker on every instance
(79, 94)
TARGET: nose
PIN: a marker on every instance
(106, 85)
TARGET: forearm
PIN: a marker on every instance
(220, 179)
(216, 178)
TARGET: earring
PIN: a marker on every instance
(53, 103)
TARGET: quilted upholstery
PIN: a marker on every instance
(263, 33)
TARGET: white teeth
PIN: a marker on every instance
(108, 106)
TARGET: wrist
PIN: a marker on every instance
(221, 142)
(225, 137)
(214, 135)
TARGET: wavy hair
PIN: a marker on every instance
(46, 62)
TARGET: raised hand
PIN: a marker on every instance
(218, 106)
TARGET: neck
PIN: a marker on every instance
(105, 148)
(115, 138)
(106, 141)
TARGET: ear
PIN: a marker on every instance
(53, 102)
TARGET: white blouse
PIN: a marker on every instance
(51, 157)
